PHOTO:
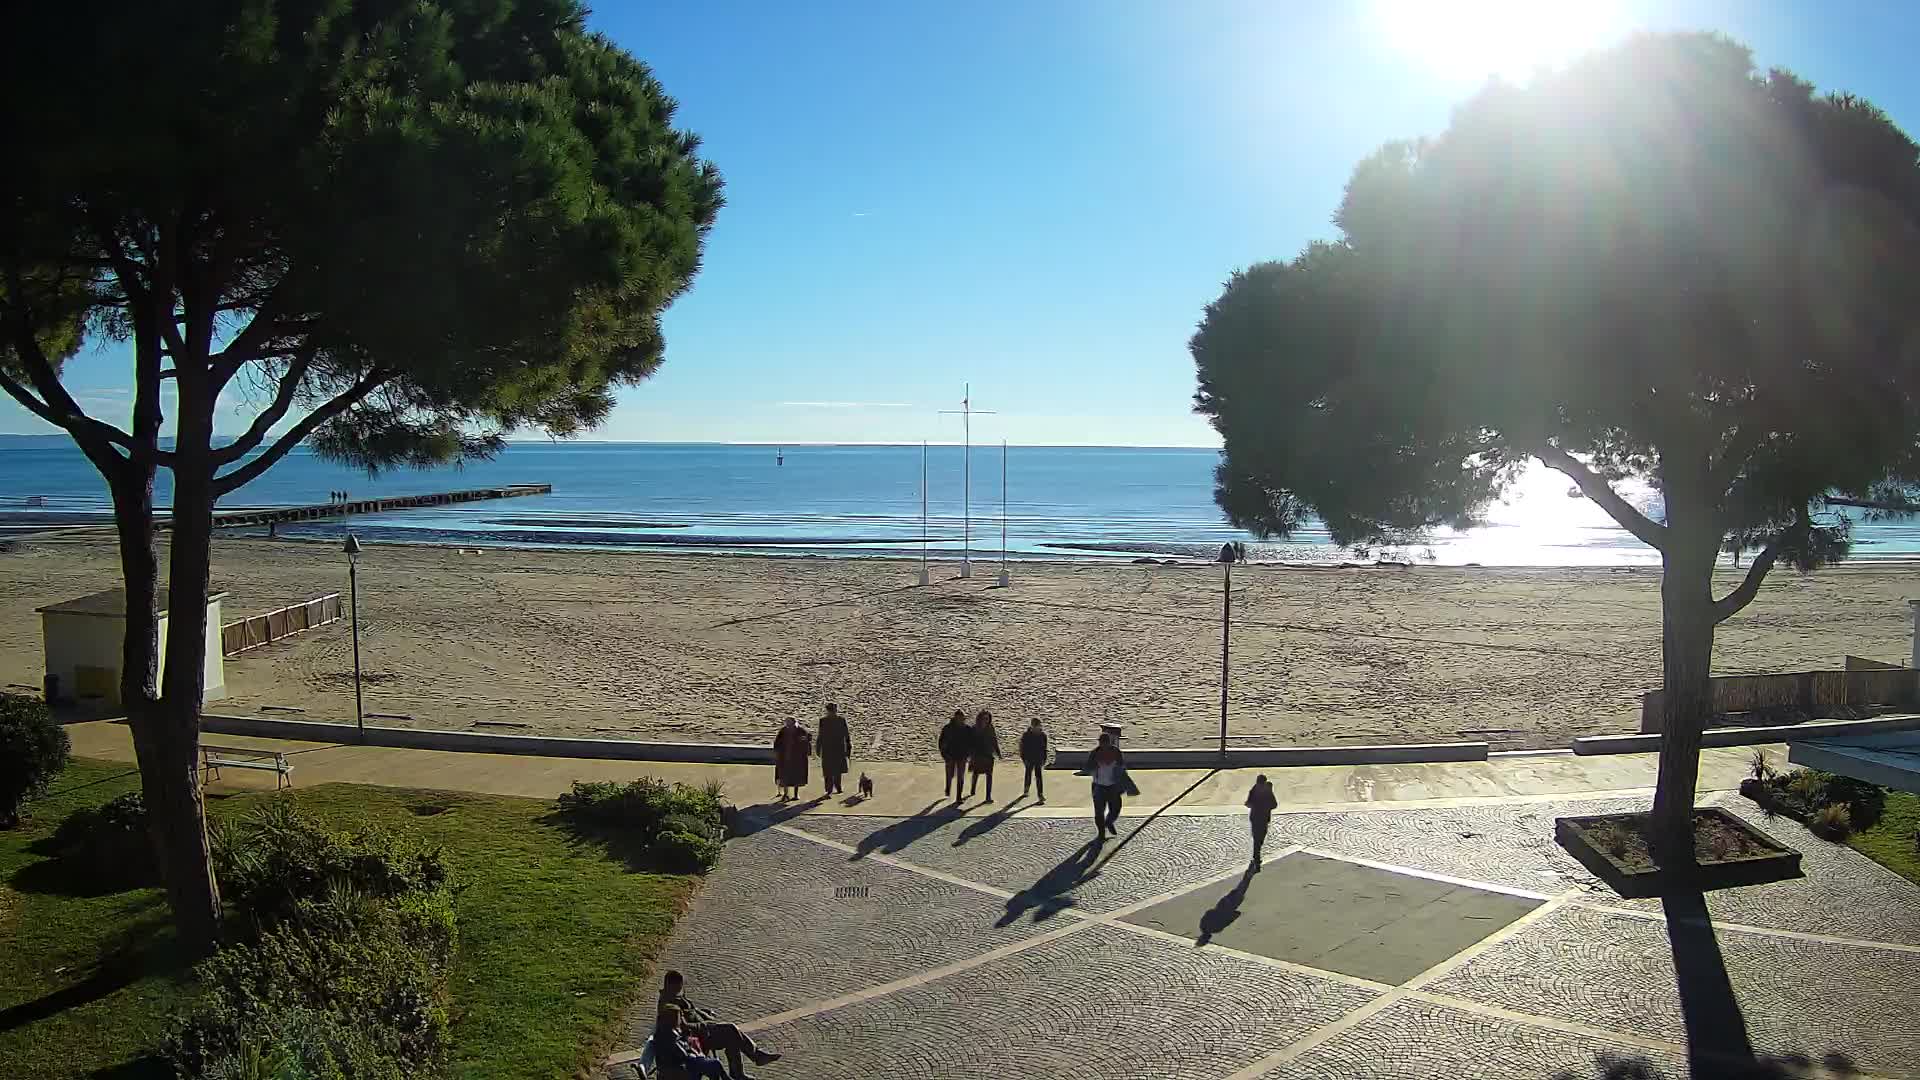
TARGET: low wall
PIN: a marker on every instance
(1066, 758)
(1751, 736)
(476, 742)
(1808, 690)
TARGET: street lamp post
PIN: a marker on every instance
(352, 549)
(1227, 556)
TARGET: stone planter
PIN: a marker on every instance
(1730, 853)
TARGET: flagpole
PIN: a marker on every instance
(924, 578)
(1004, 579)
(966, 411)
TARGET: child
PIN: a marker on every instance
(1260, 804)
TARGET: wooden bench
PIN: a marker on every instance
(215, 758)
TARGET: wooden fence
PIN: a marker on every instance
(1813, 692)
(257, 630)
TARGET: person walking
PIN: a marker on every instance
(835, 745)
(1033, 755)
(1260, 804)
(1110, 782)
(956, 745)
(984, 752)
(791, 748)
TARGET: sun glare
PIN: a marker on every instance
(1478, 39)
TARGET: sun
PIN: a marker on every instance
(1472, 40)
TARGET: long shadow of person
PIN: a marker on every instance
(1222, 914)
(1047, 897)
(897, 836)
(761, 816)
(988, 823)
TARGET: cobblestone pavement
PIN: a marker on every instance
(948, 945)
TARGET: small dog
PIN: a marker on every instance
(866, 786)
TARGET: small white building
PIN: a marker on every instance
(85, 639)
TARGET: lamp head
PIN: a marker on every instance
(1227, 554)
(352, 546)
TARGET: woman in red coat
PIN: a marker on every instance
(791, 748)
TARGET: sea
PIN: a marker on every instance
(1088, 503)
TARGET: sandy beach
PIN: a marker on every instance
(718, 648)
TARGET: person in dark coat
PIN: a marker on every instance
(835, 747)
(790, 751)
(670, 1049)
(1260, 804)
(984, 752)
(1110, 782)
(956, 745)
(1033, 755)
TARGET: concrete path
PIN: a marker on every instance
(909, 789)
(1433, 942)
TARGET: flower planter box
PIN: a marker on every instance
(1729, 851)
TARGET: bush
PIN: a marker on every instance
(344, 975)
(107, 846)
(679, 825)
(1833, 822)
(276, 858)
(33, 750)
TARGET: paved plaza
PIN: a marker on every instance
(1401, 941)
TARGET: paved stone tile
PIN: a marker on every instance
(1050, 862)
(1844, 893)
(1617, 972)
(1099, 1004)
(1339, 916)
(766, 934)
(1415, 1040)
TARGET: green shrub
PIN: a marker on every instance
(1810, 785)
(108, 845)
(679, 826)
(341, 969)
(276, 858)
(33, 750)
(370, 973)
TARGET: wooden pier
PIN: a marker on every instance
(245, 518)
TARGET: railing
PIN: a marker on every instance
(257, 630)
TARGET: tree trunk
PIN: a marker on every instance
(1686, 646)
(173, 790)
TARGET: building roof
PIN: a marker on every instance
(110, 603)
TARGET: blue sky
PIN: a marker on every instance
(1039, 198)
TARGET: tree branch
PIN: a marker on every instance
(274, 412)
(368, 383)
(1595, 487)
(1740, 447)
(56, 406)
(1729, 605)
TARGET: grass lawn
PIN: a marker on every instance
(555, 935)
(1891, 840)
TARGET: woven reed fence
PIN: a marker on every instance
(257, 630)
(1813, 692)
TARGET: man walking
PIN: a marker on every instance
(835, 746)
(1260, 804)
(1033, 754)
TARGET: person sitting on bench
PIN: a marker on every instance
(715, 1036)
(670, 1049)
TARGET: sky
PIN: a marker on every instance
(1039, 198)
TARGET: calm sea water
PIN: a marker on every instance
(1061, 502)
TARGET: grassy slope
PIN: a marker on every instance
(555, 936)
(1891, 840)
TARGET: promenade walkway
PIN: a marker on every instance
(1410, 922)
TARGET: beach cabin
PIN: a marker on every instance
(84, 639)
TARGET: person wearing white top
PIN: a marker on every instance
(1109, 776)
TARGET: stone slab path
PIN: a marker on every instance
(1433, 942)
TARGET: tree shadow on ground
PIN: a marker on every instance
(63, 877)
(1223, 913)
(897, 836)
(1048, 896)
(150, 1067)
(989, 823)
(126, 959)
